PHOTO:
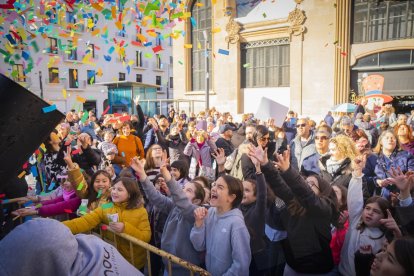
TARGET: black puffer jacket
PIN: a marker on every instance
(307, 246)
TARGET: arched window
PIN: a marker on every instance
(201, 12)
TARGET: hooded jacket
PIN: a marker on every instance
(298, 153)
(46, 247)
(226, 241)
(178, 225)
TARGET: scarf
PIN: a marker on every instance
(67, 194)
(332, 166)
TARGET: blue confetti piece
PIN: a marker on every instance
(223, 52)
(33, 169)
(193, 21)
(128, 69)
(52, 186)
(107, 58)
(28, 203)
(48, 109)
(123, 154)
(111, 50)
(5, 201)
(10, 39)
(25, 55)
(148, 44)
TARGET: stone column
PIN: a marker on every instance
(342, 51)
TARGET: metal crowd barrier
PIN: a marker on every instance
(149, 248)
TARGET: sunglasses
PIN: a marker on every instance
(323, 138)
(300, 125)
(265, 139)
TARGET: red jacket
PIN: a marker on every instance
(337, 241)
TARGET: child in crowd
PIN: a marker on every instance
(340, 229)
(125, 214)
(366, 232)
(98, 193)
(180, 209)
(179, 170)
(221, 231)
(200, 149)
(68, 202)
(108, 148)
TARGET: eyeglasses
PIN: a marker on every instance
(323, 138)
(300, 125)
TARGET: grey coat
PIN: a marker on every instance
(299, 153)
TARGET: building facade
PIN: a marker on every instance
(70, 51)
(307, 55)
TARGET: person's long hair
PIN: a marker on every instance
(378, 147)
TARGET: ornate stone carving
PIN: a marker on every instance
(296, 19)
(233, 29)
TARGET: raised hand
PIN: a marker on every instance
(283, 160)
(220, 156)
(68, 158)
(401, 180)
(359, 164)
(136, 99)
(138, 167)
(200, 214)
(163, 167)
(391, 224)
(258, 153)
(24, 212)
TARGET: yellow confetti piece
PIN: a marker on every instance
(64, 93)
(96, 32)
(142, 38)
(43, 147)
(214, 2)
(9, 48)
(23, 173)
(186, 15)
(153, 34)
(80, 99)
(99, 73)
(118, 24)
(216, 30)
(188, 46)
(199, 4)
(97, 7)
(198, 45)
(131, 62)
(113, 11)
(87, 58)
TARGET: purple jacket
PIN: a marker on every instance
(57, 206)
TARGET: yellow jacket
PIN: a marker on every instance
(76, 178)
(135, 221)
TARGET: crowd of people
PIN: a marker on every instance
(238, 198)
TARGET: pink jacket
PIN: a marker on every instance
(58, 206)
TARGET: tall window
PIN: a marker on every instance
(382, 20)
(73, 78)
(265, 63)
(139, 58)
(139, 78)
(202, 16)
(72, 52)
(18, 73)
(91, 50)
(53, 75)
(158, 63)
(158, 82)
(171, 82)
(52, 45)
(91, 75)
(121, 76)
(158, 39)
